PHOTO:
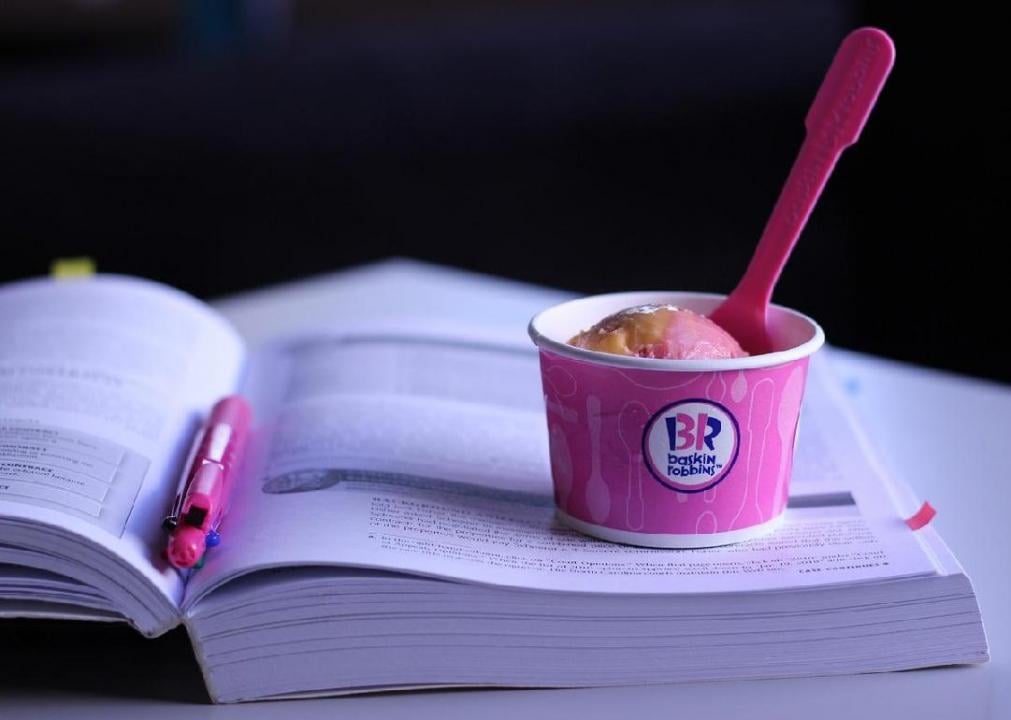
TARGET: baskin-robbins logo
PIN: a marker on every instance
(691, 445)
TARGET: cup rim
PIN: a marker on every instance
(779, 357)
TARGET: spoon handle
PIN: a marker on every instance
(833, 123)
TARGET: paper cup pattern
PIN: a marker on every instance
(670, 453)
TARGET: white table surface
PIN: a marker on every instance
(947, 435)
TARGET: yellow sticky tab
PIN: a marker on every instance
(67, 268)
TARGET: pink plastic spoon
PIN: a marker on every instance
(840, 109)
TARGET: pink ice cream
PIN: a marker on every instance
(660, 331)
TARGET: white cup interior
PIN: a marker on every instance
(794, 335)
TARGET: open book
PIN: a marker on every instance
(392, 525)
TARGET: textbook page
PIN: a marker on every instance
(102, 382)
(428, 455)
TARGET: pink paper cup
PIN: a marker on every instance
(670, 453)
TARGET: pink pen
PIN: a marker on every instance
(216, 457)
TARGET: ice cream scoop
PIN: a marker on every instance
(659, 331)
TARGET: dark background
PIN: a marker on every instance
(220, 145)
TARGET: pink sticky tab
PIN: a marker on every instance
(921, 517)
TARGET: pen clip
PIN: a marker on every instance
(172, 519)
